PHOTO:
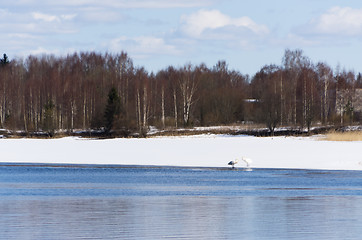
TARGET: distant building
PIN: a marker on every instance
(348, 98)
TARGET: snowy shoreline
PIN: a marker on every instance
(190, 151)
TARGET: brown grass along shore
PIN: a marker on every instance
(344, 136)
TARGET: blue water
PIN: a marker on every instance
(96, 202)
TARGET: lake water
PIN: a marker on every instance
(94, 202)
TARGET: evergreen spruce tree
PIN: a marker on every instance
(48, 122)
(113, 109)
(4, 61)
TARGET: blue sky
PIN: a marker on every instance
(247, 34)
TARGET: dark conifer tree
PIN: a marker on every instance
(113, 109)
(4, 61)
(48, 122)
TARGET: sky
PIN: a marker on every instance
(247, 34)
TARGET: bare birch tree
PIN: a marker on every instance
(188, 86)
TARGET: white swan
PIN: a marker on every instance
(248, 161)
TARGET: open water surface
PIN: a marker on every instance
(95, 202)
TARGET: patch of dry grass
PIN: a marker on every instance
(344, 136)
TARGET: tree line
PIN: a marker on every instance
(89, 90)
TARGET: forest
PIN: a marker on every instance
(106, 92)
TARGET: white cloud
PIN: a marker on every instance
(13, 42)
(118, 3)
(4, 13)
(92, 14)
(45, 17)
(203, 21)
(143, 47)
(297, 41)
(41, 50)
(52, 18)
(68, 17)
(160, 3)
(339, 20)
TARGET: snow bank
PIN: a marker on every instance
(192, 151)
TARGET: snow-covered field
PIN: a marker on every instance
(191, 151)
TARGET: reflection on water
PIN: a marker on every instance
(38, 202)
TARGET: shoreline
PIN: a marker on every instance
(189, 151)
(106, 166)
(232, 130)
